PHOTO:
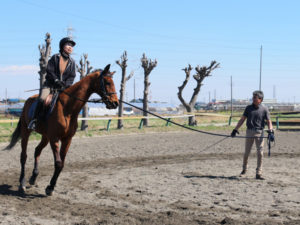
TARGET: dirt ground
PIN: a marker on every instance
(156, 178)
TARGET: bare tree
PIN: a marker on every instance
(45, 52)
(123, 65)
(148, 66)
(201, 74)
(84, 69)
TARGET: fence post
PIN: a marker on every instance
(108, 124)
(229, 122)
(141, 124)
(168, 122)
(277, 122)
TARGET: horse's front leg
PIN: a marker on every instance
(22, 180)
(59, 159)
(37, 154)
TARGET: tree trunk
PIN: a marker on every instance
(148, 66)
(123, 65)
(202, 73)
(122, 91)
(145, 99)
(192, 120)
(45, 52)
(84, 70)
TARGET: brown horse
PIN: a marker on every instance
(62, 123)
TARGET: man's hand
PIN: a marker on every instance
(271, 135)
(234, 132)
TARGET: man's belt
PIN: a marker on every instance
(255, 129)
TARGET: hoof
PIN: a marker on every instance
(49, 191)
(22, 189)
(32, 180)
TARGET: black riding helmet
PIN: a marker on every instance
(64, 41)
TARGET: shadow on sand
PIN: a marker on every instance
(8, 191)
(211, 177)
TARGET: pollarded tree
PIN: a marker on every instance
(45, 52)
(123, 65)
(84, 70)
(148, 66)
(201, 74)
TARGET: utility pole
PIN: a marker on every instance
(260, 67)
(215, 95)
(134, 91)
(209, 97)
(70, 30)
(5, 101)
(231, 93)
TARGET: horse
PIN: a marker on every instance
(62, 124)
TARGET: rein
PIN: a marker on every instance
(99, 100)
(183, 126)
(200, 131)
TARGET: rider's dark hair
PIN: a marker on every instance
(259, 94)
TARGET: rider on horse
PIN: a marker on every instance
(60, 75)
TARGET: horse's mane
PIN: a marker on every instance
(97, 70)
(88, 76)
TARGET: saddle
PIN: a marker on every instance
(48, 107)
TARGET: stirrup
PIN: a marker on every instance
(32, 124)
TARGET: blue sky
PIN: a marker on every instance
(176, 33)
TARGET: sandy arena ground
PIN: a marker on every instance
(155, 178)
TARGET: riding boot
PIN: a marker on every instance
(32, 123)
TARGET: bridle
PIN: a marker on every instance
(102, 86)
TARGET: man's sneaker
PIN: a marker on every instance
(32, 124)
(259, 177)
(243, 173)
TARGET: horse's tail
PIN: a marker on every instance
(15, 136)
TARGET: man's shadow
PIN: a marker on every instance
(7, 190)
(211, 177)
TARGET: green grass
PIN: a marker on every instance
(99, 127)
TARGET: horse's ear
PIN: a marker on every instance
(106, 69)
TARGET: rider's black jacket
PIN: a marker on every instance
(53, 72)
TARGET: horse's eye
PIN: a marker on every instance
(108, 83)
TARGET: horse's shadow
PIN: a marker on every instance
(7, 190)
(212, 177)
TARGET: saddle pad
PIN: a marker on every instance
(32, 109)
(48, 107)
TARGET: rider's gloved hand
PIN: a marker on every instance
(234, 132)
(59, 84)
(271, 135)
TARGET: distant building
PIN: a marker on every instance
(13, 100)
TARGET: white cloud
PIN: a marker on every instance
(19, 70)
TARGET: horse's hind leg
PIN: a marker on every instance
(37, 154)
(22, 180)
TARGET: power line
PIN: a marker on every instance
(137, 31)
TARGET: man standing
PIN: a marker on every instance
(256, 115)
(60, 75)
